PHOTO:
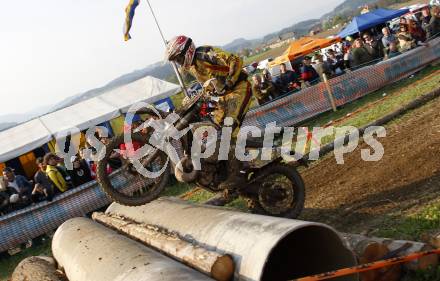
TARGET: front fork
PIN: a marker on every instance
(181, 124)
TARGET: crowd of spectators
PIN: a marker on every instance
(51, 179)
(412, 32)
(352, 53)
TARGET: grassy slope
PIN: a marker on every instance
(386, 100)
(272, 53)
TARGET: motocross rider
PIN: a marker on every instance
(205, 63)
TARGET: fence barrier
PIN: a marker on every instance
(369, 266)
(23, 225)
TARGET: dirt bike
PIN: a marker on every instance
(272, 187)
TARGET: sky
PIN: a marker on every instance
(52, 49)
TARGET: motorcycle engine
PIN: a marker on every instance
(212, 175)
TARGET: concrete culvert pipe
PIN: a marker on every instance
(88, 251)
(263, 248)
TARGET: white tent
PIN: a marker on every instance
(148, 89)
(80, 116)
(26, 137)
(23, 138)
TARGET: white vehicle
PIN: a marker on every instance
(275, 70)
(263, 64)
(249, 69)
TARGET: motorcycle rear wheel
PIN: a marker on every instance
(281, 192)
(136, 190)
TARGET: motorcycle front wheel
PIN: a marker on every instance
(281, 192)
(126, 185)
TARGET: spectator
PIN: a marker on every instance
(288, 80)
(347, 51)
(416, 31)
(264, 91)
(433, 27)
(4, 202)
(4, 197)
(426, 16)
(19, 185)
(54, 174)
(84, 158)
(40, 194)
(403, 21)
(406, 41)
(266, 76)
(374, 47)
(114, 160)
(43, 185)
(336, 63)
(393, 50)
(308, 73)
(80, 174)
(388, 38)
(2, 183)
(94, 168)
(126, 150)
(321, 66)
(360, 55)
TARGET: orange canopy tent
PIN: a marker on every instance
(302, 47)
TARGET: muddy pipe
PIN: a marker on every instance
(263, 248)
(88, 251)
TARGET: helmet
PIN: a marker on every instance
(181, 49)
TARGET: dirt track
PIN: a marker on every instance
(358, 196)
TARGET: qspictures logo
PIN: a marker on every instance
(290, 143)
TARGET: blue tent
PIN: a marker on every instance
(370, 19)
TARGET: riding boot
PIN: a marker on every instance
(235, 178)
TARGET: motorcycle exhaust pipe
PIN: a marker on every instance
(184, 170)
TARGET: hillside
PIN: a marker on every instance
(347, 8)
(10, 120)
(240, 44)
(300, 29)
(4, 126)
(159, 70)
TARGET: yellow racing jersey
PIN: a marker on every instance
(210, 62)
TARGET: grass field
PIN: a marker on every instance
(8, 263)
(383, 101)
(272, 53)
(358, 113)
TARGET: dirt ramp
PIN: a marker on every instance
(354, 195)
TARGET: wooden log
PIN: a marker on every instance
(36, 269)
(220, 267)
(367, 250)
(393, 245)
